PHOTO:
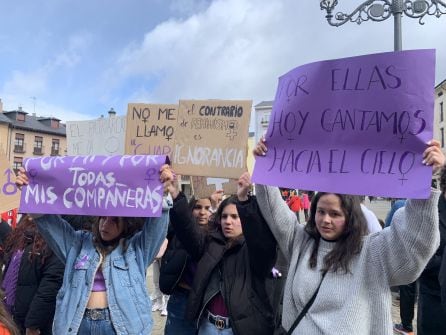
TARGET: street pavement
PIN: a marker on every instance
(379, 207)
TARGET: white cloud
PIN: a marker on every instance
(238, 48)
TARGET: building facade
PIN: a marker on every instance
(440, 114)
(262, 114)
(23, 135)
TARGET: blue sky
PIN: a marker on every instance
(80, 58)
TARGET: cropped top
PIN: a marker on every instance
(99, 282)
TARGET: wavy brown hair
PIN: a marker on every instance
(349, 244)
(26, 234)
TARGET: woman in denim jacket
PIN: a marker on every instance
(104, 285)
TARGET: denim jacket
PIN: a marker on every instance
(124, 273)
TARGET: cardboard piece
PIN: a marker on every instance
(203, 187)
(356, 125)
(150, 129)
(211, 138)
(94, 185)
(9, 194)
(103, 136)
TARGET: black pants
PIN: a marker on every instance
(408, 296)
(431, 318)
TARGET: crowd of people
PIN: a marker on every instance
(230, 264)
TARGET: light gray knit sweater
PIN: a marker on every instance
(357, 303)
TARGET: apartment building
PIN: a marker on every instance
(23, 135)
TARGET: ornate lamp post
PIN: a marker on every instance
(380, 10)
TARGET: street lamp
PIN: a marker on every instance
(380, 10)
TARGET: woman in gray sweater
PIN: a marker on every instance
(354, 295)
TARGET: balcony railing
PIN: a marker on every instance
(54, 152)
(20, 149)
(38, 151)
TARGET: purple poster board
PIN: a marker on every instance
(94, 185)
(356, 125)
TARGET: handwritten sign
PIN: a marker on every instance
(150, 129)
(9, 195)
(204, 186)
(212, 138)
(94, 185)
(104, 136)
(357, 125)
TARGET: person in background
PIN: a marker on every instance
(104, 289)
(408, 292)
(178, 269)
(342, 275)
(33, 276)
(305, 204)
(228, 294)
(431, 318)
(294, 203)
(397, 204)
(5, 230)
(7, 326)
(159, 300)
(373, 224)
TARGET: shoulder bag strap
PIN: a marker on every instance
(306, 308)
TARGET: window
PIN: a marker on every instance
(17, 163)
(19, 143)
(441, 112)
(55, 147)
(265, 118)
(20, 117)
(38, 145)
(442, 137)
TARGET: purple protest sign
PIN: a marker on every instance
(94, 185)
(356, 125)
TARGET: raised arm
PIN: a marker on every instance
(403, 250)
(262, 246)
(281, 220)
(59, 235)
(186, 230)
(154, 231)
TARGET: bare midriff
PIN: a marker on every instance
(97, 300)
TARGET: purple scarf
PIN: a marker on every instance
(10, 280)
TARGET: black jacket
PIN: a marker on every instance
(244, 267)
(429, 283)
(173, 264)
(37, 287)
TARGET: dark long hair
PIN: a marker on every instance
(349, 243)
(216, 221)
(130, 227)
(5, 319)
(25, 234)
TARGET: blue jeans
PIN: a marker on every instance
(207, 328)
(176, 323)
(96, 327)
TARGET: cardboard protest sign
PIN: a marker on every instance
(9, 194)
(204, 186)
(94, 185)
(150, 129)
(211, 138)
(357, 125)
(103, 136)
